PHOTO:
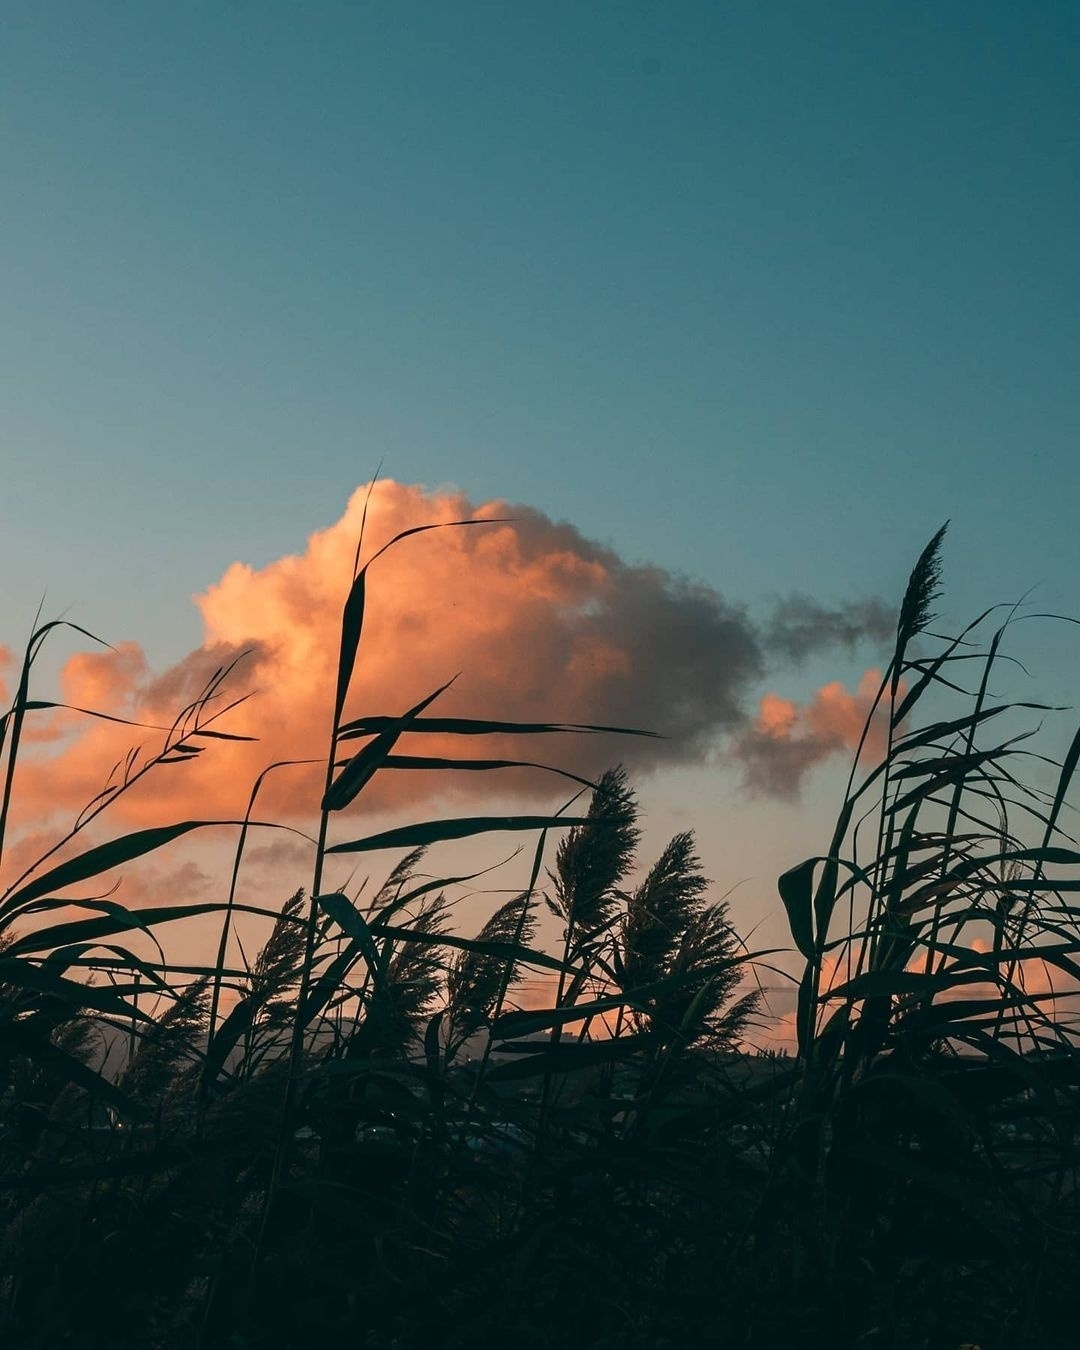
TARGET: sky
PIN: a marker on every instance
(725, 304)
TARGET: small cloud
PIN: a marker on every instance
(281, 851)
(786, 740)
(159, 883)
(799, 626)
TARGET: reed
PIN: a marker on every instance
(357, 1133)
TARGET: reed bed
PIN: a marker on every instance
(359, 1136)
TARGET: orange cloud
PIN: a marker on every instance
(105, 680)
(541, 622)
(787, 740)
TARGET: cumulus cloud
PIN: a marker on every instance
(541, 622)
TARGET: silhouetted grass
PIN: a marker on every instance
(356, 1135)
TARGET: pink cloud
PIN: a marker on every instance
(541, 623)
(786, 740)
(538, 622)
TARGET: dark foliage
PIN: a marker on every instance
(616, 1170)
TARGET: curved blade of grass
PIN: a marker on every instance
(122, 921)
(946, 1017)
(434, 831)
(86, 956)
(24, 974)
(122, 959)
(239, 1021)
(884, 983)
(480, 765)
(106, 856)
(529, 1021)
(796, 888)
(363, 766)
(958, 726)
(41, 704)
(475, 726)
(352, 618)
(19, 708)
(349, 919)
(506, 951)
(543, 1058)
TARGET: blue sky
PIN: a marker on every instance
(758, 292)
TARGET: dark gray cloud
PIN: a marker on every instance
(693, 662)
(778, 766)
(800, 626)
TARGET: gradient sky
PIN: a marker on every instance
(760, 293)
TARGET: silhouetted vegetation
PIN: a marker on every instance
(361, 1136)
